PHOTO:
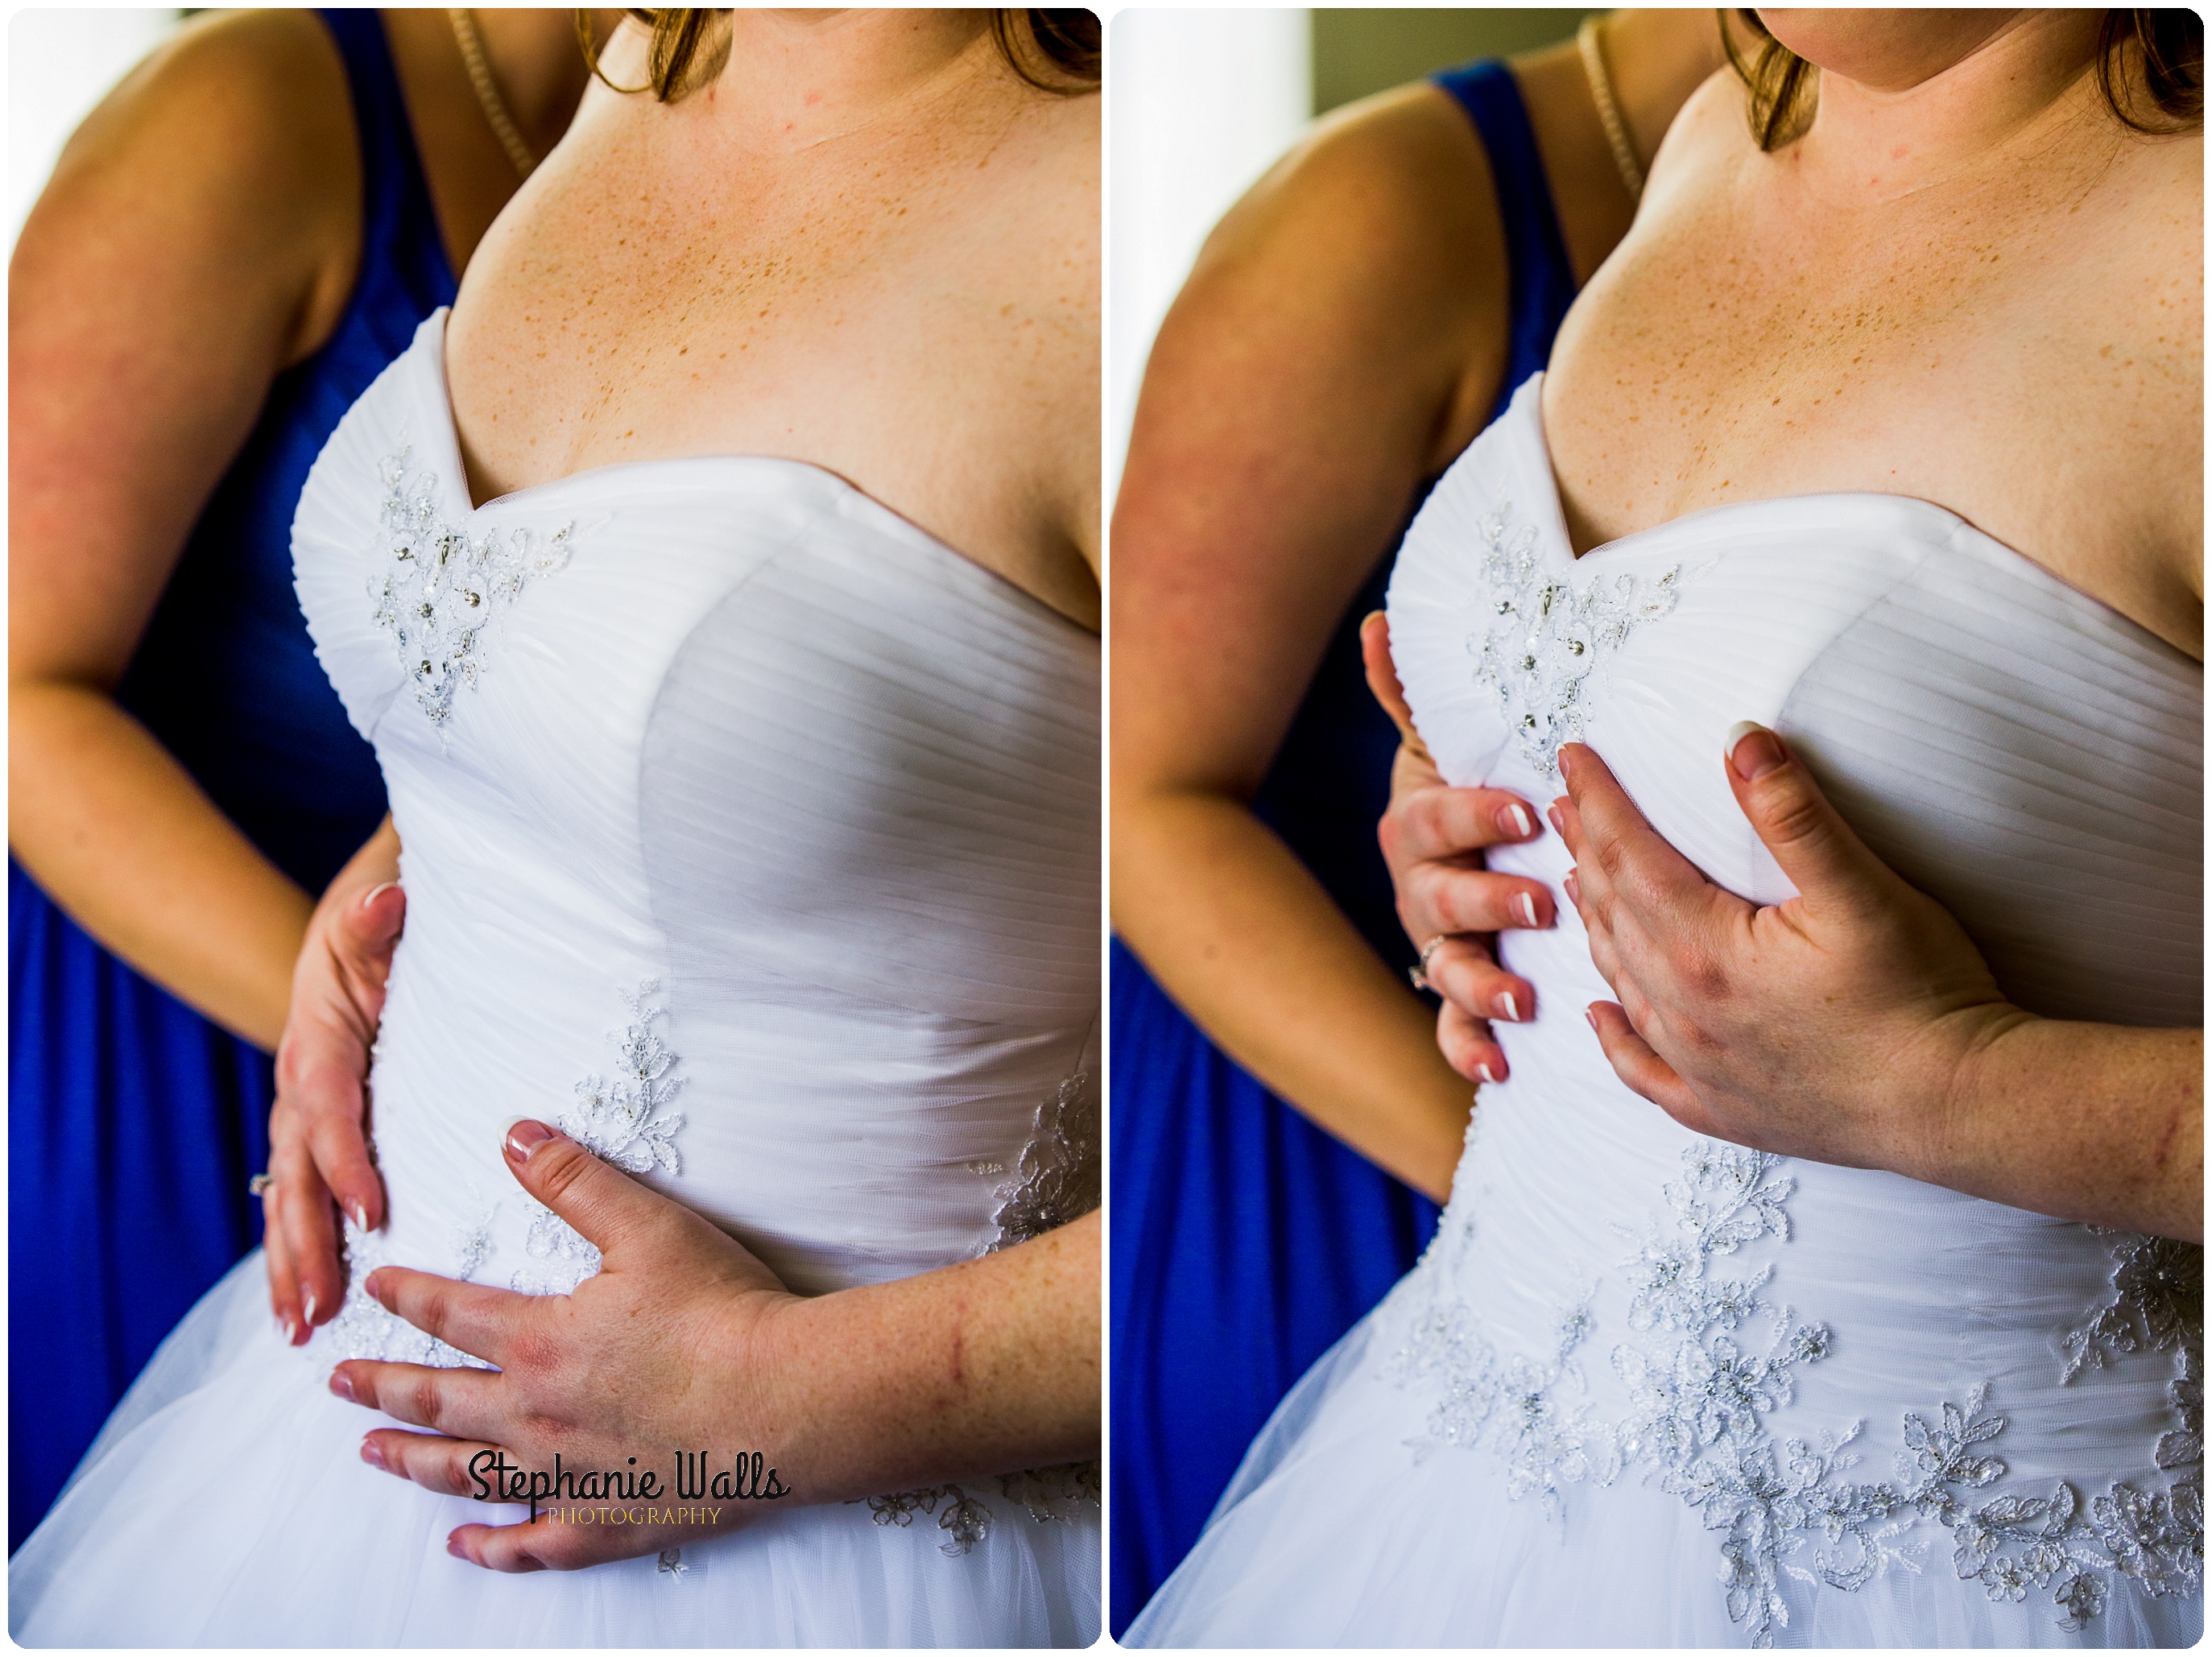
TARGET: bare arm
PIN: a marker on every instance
(1341, 337)
(198, 236)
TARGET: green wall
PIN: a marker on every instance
(1358, 50)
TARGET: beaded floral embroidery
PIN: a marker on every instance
(1046, 1494)
(1057, 1177)
(1787, 1507)
(437, 588)
(1550, 633)
(625, 1121)
(364, 1329)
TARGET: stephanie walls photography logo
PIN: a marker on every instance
(747, 1479)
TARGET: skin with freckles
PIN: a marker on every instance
(866, 244)
(1886, 305)
(1967, 283)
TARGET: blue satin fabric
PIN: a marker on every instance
(1245, 1239)
(133, 1122)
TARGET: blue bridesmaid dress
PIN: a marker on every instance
(134, 1123)
(1246, 1241)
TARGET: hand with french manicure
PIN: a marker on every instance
(318, 1154)
(1433, 838)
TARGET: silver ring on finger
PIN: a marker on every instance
(1419, 975)
(260, 1184)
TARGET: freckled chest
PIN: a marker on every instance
(1745, 345)
(671, 292)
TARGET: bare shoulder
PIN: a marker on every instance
(1711, 137)
(1365, 273)
(1391, 187)
(231, 145)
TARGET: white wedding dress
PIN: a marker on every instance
(1645, 1389)
(752, 835)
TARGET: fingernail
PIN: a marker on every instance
(1590, 1018)
(1525, 907)
(1754, 750)
(372, 1455)
(343, 1388)
(292, 1332)
(524, 1136)
(370, 1285)
(1515, 820)
(1507, 1007)
(1559, 823)
(360, 1212)
(1483, 1071)
(453, 1547)
(1574, 888)
(311, 1307)
(375, 892)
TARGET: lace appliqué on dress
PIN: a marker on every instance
(1057, 1179)
(364, 1329)
(1696, 1404)
(437, 588)
(1551, 633)
(1045, 1494)
(625, 1121)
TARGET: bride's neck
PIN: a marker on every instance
(793, 79)
(1909, 107)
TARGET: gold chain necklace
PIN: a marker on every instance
(1608, 111)
(488, 98)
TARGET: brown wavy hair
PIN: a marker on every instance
(1055, 51)
(2166, 44)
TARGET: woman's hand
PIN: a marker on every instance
(1433, 838)
(685, 1343)
(672, 1347)
(1837, 1025)
(319, 1159)
(1857, 1024)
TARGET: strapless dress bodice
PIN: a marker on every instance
(751, 835)
(1825, 1364)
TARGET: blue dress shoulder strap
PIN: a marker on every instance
(1542, 279)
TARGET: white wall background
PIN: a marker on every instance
(61, 62)
(1198, 103)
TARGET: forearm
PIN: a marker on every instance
(988, 1366)
(1244, 937)
(108, 823)
(2098, 1123)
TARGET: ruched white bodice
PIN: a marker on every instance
(727, 727)
(1648, 1389)
(751, 835)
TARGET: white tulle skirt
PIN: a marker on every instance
(1336, 1532)
(226, 1504)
